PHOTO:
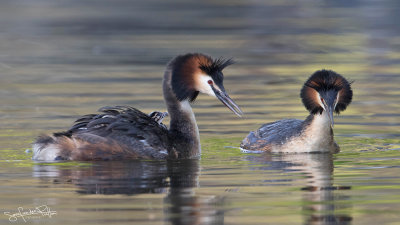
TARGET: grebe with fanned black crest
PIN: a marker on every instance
(323, 93)
(122, 133)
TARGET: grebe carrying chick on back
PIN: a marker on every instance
(322, 94)
(121, 133)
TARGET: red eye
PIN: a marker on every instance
(210, 82)
(322, 100)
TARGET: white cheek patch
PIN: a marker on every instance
(203, 86)
(337, 100)
(320, 102)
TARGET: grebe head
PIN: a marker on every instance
(194, 73)
(327, 91)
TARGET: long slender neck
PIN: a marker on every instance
(183, 127)
(319, 131)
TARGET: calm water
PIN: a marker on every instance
(61, 59)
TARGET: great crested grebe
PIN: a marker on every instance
(323, 93)
(120, 133)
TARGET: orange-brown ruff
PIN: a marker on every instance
(323, 93)
(123, 133)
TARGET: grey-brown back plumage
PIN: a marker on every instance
(119, 132)
(275, 133)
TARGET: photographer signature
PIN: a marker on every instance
(37, 212)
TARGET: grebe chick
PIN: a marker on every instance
(322, 94)
(159, 117)
(121, 133)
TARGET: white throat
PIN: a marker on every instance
(319, 133)
(321, 122)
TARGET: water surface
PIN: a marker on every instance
(62, 59)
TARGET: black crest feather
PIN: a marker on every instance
(216, 65)
(324, 81)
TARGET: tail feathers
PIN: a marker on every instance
(255, 143)
(56, 147)
(45, 149)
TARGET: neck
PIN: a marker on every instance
(183, 127)
(319, 131)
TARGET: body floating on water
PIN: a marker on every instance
(323, 93)
(121, 133)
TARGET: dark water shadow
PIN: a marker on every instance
(175, 178)
(320, 199)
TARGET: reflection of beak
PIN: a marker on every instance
(228, 102)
